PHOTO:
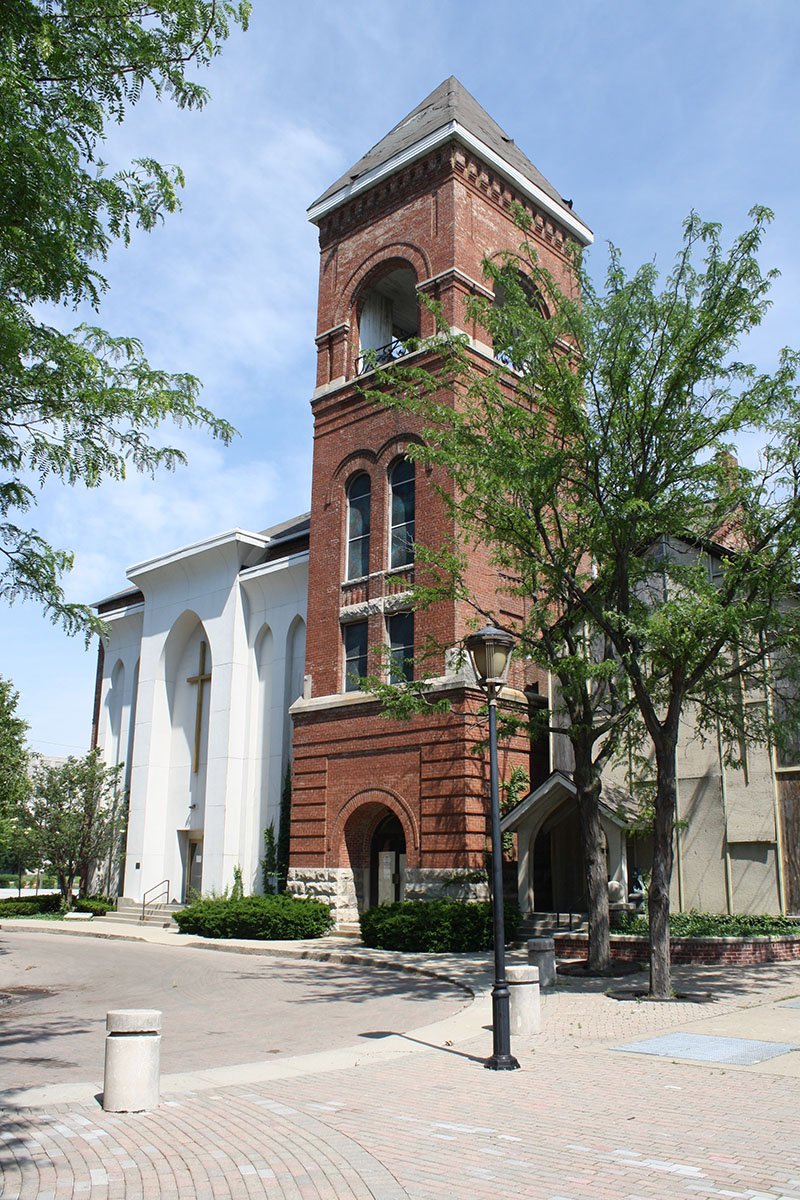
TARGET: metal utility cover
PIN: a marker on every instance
(738, 1051)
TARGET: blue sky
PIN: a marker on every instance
(639, 110)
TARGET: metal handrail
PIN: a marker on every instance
(378, 356)
(164, 891)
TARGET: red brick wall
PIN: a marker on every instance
(441, 216)
(625, 948)
(423, 770)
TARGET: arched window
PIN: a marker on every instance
(358, 526)
(403, 512)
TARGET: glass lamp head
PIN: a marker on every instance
(490, 652)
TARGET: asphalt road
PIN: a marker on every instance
(219, 1009)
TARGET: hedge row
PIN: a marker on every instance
(702, 924)
(29, 906)
(269, 918)
(434, 926)
(97, 905)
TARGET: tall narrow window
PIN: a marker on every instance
(355, 655)
(401, 481)
(401, 647)
(358, 524)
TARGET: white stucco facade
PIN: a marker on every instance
(205, 758)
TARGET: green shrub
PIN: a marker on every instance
(97, 905)
(434, 926)
(30, 906)
(700, 924)
(269, 918)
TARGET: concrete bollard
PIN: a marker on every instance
(523, 990)
(542, 954)
(133, 1054)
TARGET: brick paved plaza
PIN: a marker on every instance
(418, 1116)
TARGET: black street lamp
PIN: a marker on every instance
(490, 651)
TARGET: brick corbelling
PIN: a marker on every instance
(385, 199)
(438, 171)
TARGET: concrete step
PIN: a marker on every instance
(349, 929)
(542, 924)
(159, 921)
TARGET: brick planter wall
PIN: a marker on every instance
(703, 951)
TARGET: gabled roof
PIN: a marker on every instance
(618, 805)
(450, 111)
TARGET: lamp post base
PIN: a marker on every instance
(501, 1062)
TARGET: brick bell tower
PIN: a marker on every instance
(383, 810)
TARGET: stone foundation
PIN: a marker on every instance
(342, 888)
(332, 885)
(443, 883)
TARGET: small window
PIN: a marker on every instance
(358, 526)
(401, 647)
(403, 501)
(355, 655)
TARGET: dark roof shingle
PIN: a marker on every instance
(450, 101)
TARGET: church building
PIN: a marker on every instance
(235, 660)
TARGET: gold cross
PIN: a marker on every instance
(201, 678)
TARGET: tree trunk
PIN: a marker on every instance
(663, 855)
(594, 857)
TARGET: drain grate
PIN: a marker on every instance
(702, 1048)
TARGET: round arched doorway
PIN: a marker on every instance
(387, 858)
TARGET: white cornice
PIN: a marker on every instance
(117, 614)
(454, 130)
(230, 537)
(279, 564)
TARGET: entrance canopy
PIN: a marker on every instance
(549, 855)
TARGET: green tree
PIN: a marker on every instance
(498, 440)
(81, 406)
(72, 807)
(284, 830)
(15, 849)
(594, 461)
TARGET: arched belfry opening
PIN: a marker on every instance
(388, 315)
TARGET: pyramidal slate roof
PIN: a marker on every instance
(449, 111)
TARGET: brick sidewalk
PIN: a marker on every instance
(579, 1120)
